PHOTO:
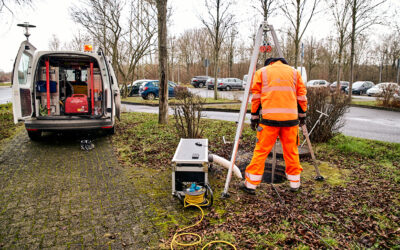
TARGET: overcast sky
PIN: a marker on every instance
(52, 17)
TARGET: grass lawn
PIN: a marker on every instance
(229, 106)
(138, 99)
(7, 128)
(365, 103)
(369, 103)
(5, 84)
(356, 207)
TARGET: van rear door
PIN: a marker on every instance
(22, 79)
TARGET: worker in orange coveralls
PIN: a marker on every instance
(279, 97)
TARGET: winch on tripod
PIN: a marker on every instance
(190, 173)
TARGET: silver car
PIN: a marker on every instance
(228, 84)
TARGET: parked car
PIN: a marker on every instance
(230, 83)
(210, 82)
(133, 88)
(317, 83)
(377, 90)
(199, 81)
(343, 85)
(227, 84)
(360, 87)
(69, 100)
(149, 90)
(303, 73)
(244, 81)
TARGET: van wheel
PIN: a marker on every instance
(228, 88)
(201, 85)
(35, 135)
(151, 96)
(111, 131)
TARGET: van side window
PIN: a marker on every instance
(23, 69)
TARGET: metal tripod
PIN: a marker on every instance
(263, 30)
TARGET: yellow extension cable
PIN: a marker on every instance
(195, 201)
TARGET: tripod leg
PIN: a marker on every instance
(273, 163)
(319, 177)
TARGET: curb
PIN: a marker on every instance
(248, 112)
(374, 107)
(174, 104)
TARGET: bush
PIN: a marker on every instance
(335, 105)
(187, 113)
(387, 98)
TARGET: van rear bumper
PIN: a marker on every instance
(53, 125)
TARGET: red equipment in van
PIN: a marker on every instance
(77, 104)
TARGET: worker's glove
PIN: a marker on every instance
(254, 124)
(302, 120)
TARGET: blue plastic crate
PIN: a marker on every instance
(41, 86)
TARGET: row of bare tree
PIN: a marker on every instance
(127, 33)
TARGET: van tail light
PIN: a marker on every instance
(194, 80)
(32, 129)
(220, 83)
(107, 127)
(145, 88)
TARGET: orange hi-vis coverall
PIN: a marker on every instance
(280, 95)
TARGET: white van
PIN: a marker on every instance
(64, 90)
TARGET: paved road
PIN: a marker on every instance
(373, 124)
(238, 94)
(5, 95)
(359, 122)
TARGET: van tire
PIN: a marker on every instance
(201, 85)
(35, 135)
(228, 88)
(111, 131)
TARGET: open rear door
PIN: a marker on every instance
(22, 79)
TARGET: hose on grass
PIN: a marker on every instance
(197, 201)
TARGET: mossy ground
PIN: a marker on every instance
(7, 128)
(355, 207)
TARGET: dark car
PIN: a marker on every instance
(360, 87)
(133, 89)
(343, 86)
(199, 81)
(210, 82)
(149, 90)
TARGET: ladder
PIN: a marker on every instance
(263, 31)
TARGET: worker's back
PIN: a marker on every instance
(278, 92)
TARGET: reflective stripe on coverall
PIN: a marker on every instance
(279, 91)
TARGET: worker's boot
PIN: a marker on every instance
(243, 187)
(294, 186)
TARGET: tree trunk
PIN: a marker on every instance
(353, 40)
(339, 68)
(216, 74)
(297, 38)
(162, 61)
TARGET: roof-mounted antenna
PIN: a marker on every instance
(26, 25)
